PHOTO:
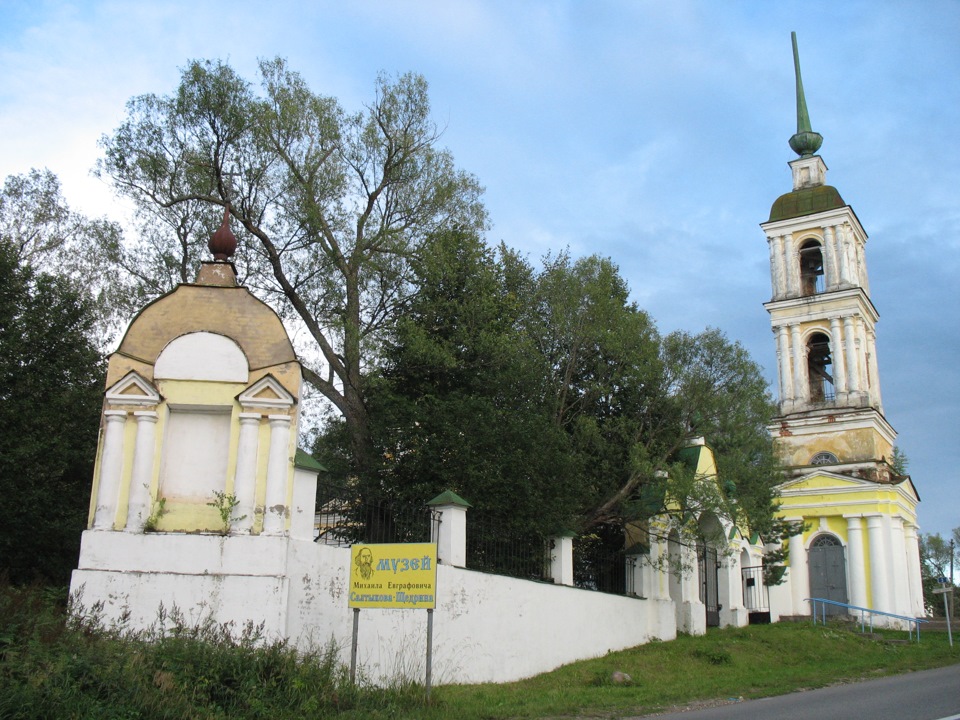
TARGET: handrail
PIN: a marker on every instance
(915, 622)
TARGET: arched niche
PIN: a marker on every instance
(202, 356)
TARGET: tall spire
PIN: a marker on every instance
(805, 142)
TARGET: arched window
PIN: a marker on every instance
(824, 458)
(811, 268)
(825, 540)
(819, 367)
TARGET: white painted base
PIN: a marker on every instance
(487, 628)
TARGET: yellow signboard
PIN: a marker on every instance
(397, 576)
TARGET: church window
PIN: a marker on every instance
(811, 268)
(824, 458)
(819, 368)
(825, 541)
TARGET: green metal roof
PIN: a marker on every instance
(306, 461)
(807, 201)
(448, 497)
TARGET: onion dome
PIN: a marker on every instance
(223, 244)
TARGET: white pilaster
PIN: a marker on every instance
(111, 467)
(913, 569)
(278, 460)
(842, 257)
(850, 348)
(856, 561)
(144, 450)
(839, 365)
(245, 479)
(791, 269)
(898, 554)
(783, 355)
(874, 367)
(830, 266)
(879, 577)
(799, 575)
(801, 390)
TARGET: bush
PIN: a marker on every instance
(54, 663)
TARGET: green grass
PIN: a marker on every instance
(54, 666)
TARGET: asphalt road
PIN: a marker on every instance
(925, 695)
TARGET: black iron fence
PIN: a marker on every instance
(493, 549)
(346, 515)
(600, 563)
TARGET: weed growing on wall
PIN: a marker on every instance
(225, 504)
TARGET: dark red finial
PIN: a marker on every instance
(223, 244)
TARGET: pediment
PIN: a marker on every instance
(267, 392)
(818, 480)
(133, 389)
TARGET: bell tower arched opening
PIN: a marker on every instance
(820, 369)
(811, 268)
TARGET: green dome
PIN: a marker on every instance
(807, 201)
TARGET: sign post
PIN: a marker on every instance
(943, 590)
(394, 576)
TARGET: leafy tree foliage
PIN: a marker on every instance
(333, 206)
(51, 376)
(41, 231)
(550, 401)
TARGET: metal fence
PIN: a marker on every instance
(493, 549)
(600, 563)
(346, 516)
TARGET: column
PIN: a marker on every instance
(111, 467)
(830, 266)
(783, 355)
(874, 369)
(144, 449)
(856, 562)
(901, 581)
(879, 578)
(852, 363)
(839, 369)
(275, 512)
(245, 478)
(799, 575)
(790, 267)
(842, 256)
(850, 245)
(862, 354)
(774, 266)
(913, 570)
(800, 388)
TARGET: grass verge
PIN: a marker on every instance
(52, 665)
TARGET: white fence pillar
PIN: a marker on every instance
(451, 535)
(561, 559)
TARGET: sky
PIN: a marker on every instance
(654, 133)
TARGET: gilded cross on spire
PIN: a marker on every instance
(805, 142)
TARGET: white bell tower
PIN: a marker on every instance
(824, 322)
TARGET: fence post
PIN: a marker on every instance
(561, 559)
(451, 535)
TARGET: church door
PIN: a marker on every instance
(828, 571)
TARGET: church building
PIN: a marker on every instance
(859, 543)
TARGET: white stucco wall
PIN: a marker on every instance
(487, 628)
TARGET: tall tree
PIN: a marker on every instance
(51, 384)
(333, 206)
(43, 232)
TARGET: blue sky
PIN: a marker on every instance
(651, 132)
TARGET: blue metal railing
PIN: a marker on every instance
(913, 622)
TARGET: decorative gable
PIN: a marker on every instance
(133, 389)
(266, 393)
